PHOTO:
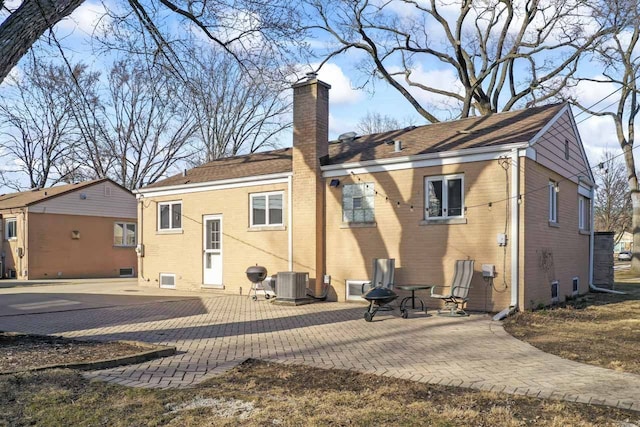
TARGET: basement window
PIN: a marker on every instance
(126, 272)
(167, 280)
(575, 286)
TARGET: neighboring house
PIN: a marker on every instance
(624, 242)
(512, 190)
(82, 230)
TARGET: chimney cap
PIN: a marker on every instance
(311, 75)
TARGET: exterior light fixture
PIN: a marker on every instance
(334, 182)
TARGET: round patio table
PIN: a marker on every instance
(404, 311)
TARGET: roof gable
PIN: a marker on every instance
(30, 197)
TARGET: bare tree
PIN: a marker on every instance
(374, 122)
(621, 67)
(149, 126)
(500, 54)
(237, 27)
(612, 204)
(237, 111)
(37, 126)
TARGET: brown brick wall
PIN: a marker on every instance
(51, 250)
(9, 247)
(182, 253)
(551, 253)
(310, 144)
(425, 254)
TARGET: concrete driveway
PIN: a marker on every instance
(216, 332)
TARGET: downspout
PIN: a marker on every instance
(290, 222)
(514, 238)
(592, 287)
(141, 241)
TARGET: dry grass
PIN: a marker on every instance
(261, 394)
(599, 329)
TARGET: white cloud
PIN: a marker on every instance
(598, 135)
(342, 90)
(85, 18)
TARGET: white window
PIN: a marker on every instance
(11, 228)
(170, 216)
(266, 209)
(553, 202)
(358, 202)
(575, 286)
(444, 196)
(124, 234)
(584, 213)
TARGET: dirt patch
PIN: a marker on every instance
(260, 394)
(598, 328)
(23, 352)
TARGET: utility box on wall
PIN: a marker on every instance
(603, 258)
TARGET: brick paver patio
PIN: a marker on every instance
(214, 333)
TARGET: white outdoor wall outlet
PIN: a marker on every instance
(488, 270)
(326, 279)
(502, 239)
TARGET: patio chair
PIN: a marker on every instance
(383, 276)
(456, 298)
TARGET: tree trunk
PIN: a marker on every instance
(627, 149)
(25, 26)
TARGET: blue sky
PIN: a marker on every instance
(347, 104)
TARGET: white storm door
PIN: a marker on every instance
(212, 265)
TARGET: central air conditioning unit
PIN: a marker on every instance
(292, 288)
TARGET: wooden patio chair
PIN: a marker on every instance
(456, 298)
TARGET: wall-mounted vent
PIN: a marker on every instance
(11, 274)
(554, 291)
(107, 191)
(354, 289)
(167, 280)
(576, 286)
(126, 272)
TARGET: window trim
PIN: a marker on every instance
(159, 219)
(553, 203)
(266, 195)
(6, 229)
(124, 235)
(557, 297)
(445, 196)
(584, 213)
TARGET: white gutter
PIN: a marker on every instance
(515, 229)
(514, 238)
(214, 185)
(290, 221)
(420, 160)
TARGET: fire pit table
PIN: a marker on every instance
(377, 297)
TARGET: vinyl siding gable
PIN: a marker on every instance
(104, 199)
(550, 149)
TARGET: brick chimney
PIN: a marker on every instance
(310, 145)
